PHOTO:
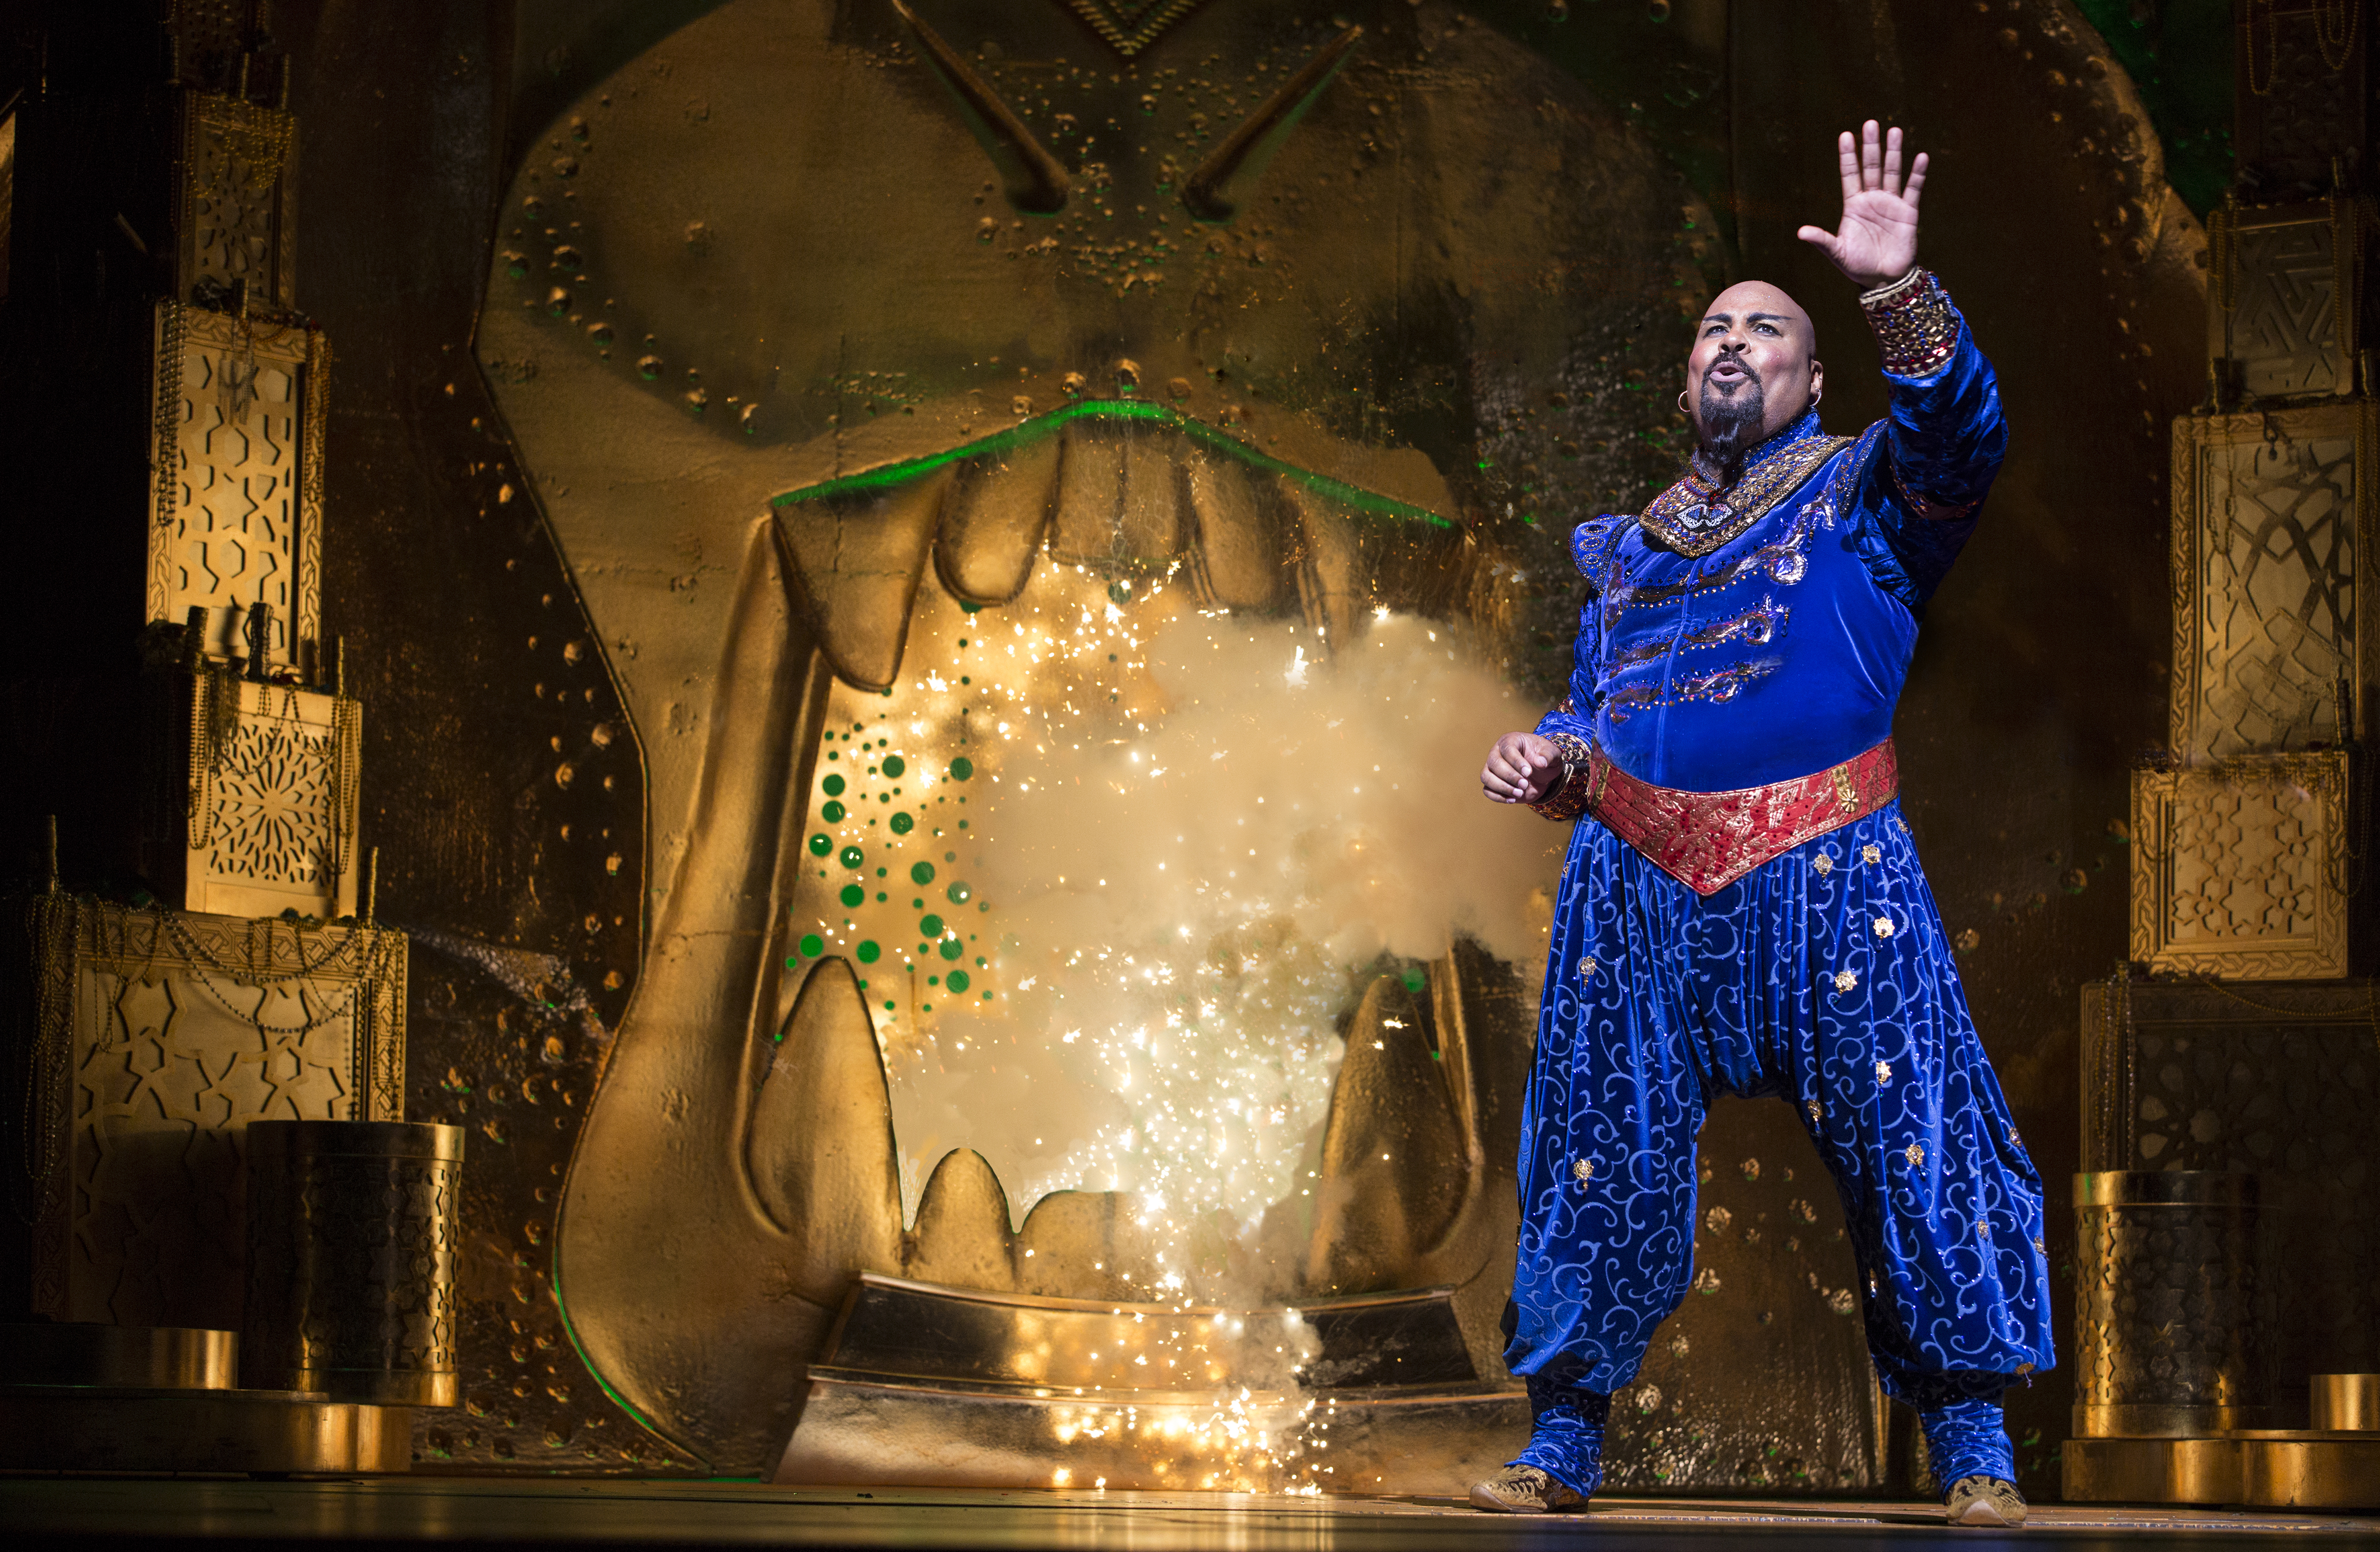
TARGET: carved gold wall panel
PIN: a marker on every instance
(235, 197)
(235, 509)
(2273, 522)
(271, 804)
(2241, 868)
(163, 1035)
(2281, 274)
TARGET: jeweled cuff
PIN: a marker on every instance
(1915, 325)
(1568, 800)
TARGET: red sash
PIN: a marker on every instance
(1706, 841)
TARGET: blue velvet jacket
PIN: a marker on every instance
(1740, 637)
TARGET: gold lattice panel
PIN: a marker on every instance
(235, 508)
(2275, 298)
(164, 1034)
(236, 204)
(2272, 534)
(2241, 868)
(270, 816)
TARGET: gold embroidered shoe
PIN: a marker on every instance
(1527, 1490)
(1985, 1501)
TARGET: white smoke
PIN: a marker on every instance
(1193, 833)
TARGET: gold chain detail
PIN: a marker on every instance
(172, 341)
(214, 718)
(313, 405)
(2335, 22)
(369, 974)
(257, 137)
(49, 931)
(2272, 44)
(2223, 251)
(346, 755)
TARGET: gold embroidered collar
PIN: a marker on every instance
(1693, 517)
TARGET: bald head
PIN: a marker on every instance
(1753, 370)
(1757, 298)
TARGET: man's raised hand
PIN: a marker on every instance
(1522, 768)
(1878, 242)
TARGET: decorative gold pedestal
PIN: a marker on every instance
(929, 1386)
(2169, 1335)
(73, 1427)
(80, 1397)
(135, 1357)
(351, 1251)
(2334, 1464)
(2348, 1403)
(2266, 1469)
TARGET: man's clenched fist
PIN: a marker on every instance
(1522, 768)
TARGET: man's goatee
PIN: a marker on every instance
(1731, 425)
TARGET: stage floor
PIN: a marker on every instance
(511, 1512)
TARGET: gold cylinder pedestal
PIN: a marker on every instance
(136, 1357)
(2346, 1403)
(2171, 1340)
(352, 1236)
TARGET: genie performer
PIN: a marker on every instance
(1743, 910)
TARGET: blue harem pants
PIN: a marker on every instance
(1824, 977)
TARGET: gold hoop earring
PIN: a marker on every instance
(1681, 403)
